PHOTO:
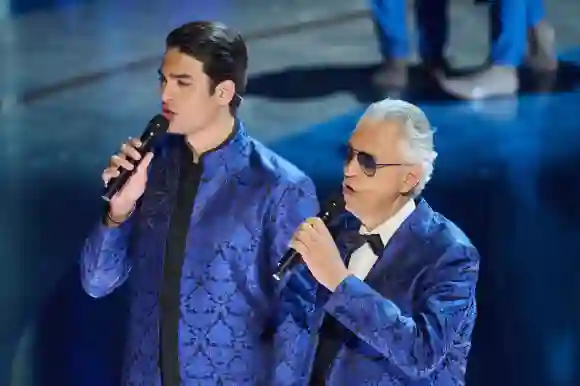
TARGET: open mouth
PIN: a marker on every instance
(167, 113)
(347, 189)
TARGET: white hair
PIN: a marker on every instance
(417, 131)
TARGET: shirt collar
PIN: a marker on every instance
(230, 155)
(388, 228)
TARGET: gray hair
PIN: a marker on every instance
(417, 131)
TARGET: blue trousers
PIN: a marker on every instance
(510, 20)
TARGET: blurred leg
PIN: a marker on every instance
(541, 50)
(509, 41)
(535, 12)
(509, 32)
(390, 17)
(432, 25)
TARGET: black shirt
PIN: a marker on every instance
(170, 294)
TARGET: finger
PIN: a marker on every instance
(306, 231)
(113, 161)
(315, 227)
(318, 225)
(119, 162)
(144, 165)
(130, 152)
(305, 238)
(135, 142)
(299, 247)
(109, 174)
(311, 221)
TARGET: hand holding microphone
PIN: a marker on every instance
(126, 177)
(123, 201)
(331, 209)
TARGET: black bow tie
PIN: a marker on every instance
(354, 240)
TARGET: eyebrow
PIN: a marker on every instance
(360, 151)
(348, 144)
(175, 76)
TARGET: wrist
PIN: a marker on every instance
(339, 277)
(116, 217)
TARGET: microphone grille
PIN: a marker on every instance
(334, 205)
(158, 125)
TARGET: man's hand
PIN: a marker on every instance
(314, 242)
(124, 201)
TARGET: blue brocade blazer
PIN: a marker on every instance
(409, 323)
(248, 205)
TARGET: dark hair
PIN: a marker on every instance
(221, 50)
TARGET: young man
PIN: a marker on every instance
(200, 227)
(394, 298)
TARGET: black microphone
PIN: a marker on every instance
(333, 207)
(157, 126)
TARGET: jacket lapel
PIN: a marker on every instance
(401, 242)
(167, 191)
(166, 180)
(155, 213)
(221, 168)
(156, 205)
(208, 194)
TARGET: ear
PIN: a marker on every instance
(225, 92)
(412, 178)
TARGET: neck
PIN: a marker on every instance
(377, 217)
(211, 136)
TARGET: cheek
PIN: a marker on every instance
(382, 186)
(195, 107)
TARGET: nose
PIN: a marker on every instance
(351, 167)
(166, 92)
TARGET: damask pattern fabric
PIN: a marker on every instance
(249, 203)
(409, 323)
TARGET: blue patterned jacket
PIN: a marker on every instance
(248, 205)
(409, 323)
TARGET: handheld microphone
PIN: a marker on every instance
(156, 127)
(333, 207)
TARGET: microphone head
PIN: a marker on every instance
(158, 125)
(333, 207)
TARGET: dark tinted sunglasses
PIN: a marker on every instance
(366, 161)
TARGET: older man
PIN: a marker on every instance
(394, 298)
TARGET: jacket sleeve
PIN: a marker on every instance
(417, 342)
(104, 264)
(298, 202)
(295, 204)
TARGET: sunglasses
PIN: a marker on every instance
(366, 161)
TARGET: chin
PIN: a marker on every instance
(349, 206)
(172, 127)
(176, 129)
(360, 207)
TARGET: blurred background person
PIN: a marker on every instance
(390, 19)
(520, 35)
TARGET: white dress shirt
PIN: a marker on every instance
(363, 259)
